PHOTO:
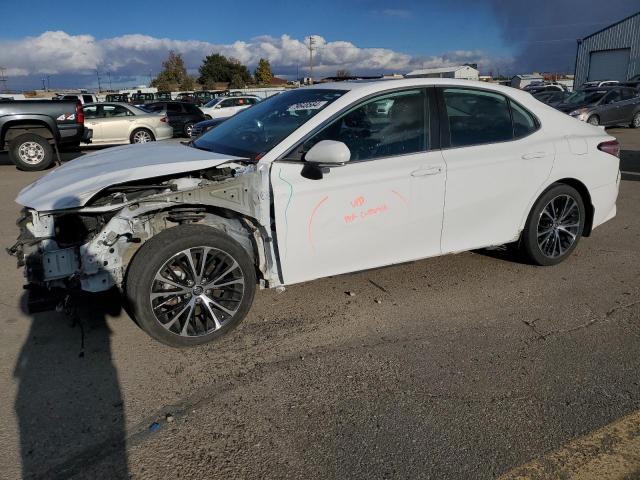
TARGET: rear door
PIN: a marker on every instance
(92, 116)
(495, 167)
(609, 108)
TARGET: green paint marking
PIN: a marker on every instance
(286, 209)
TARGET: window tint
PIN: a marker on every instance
(114, 111)
(174, 108)
(230, 102)
(192, 109)
(523, 122)
(156, 107)
(477, 117)
(393, 124)
(628, 94)
(91, 112)
(612, 97)
(87, 98)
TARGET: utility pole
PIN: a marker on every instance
(3, 80)
(99, 86)
(312, 42)
(44, 84)
(109, 73)
(48, 82)
(150, 77)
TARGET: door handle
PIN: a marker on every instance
(422, 172)
(531, 156)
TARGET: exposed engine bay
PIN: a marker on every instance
(89, 248)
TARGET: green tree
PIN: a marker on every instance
(217, 68)
(263, 73)
(173, 75)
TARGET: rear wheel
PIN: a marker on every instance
(554, 226)
(189, 285)
(30, 152)
(593, 120)
(635, 123)
(141, 135)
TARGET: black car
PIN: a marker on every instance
(182, 115)
(551, 87)
(203, 127)
(551, 97)
(118, 97)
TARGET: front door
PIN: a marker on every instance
(115, 123)
(383, 207)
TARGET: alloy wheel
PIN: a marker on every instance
(31, 153)
(197, 291)
(593, 121)
(141, 136)
(558, 226)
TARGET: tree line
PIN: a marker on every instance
(215, 69)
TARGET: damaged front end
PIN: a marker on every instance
(88, 248)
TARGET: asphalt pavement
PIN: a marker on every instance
(465, 366)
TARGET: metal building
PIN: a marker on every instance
(612, 53)
(466, 72)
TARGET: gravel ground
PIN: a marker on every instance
(464, 366)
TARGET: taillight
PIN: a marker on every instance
(611, 147)
(164, 119)
(79, 113)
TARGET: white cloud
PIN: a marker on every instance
(58, 52)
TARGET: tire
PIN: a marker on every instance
(187, 129)
(177, 320)
(635, 123)
(142, 135)
(593, 120)
(30, 152)
(547, 240)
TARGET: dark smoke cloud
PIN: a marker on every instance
(544, 32)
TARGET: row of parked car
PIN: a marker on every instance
(605, 103)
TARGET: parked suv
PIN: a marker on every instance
(311, 183)
(604, 106)
(182, 115)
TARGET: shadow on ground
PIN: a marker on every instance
(69, 404)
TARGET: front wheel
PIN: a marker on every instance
(635, 123)
(187, 129)
(593, 120)
(189, 285)
(554, 226)
(30, 152)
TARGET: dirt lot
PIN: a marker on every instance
(470, 366)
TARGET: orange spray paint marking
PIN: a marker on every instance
(401, 197)
(358, 202)
(310, 225)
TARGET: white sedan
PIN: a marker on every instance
(120, 123)
(314, 182)
(223, 107)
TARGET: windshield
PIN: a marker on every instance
(584, 96)
(256, 130)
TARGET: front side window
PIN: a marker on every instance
(477, 117)
(385, 126)
(254, 131)
(612, 97)
(174, 108)
(91, 111)
(87, 98)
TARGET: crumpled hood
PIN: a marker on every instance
(77, 181)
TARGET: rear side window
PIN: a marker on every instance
(174, 108)
(192, 109)
(87, 98)
(477, 117)
(523, 121)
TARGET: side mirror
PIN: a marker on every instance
(322, 156)
(218, 106)
(328, 153)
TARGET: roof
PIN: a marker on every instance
(426, 71)
(612, 25)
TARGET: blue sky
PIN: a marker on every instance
(419, 28)
(68, 40)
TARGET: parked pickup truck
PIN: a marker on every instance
(30, 129)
